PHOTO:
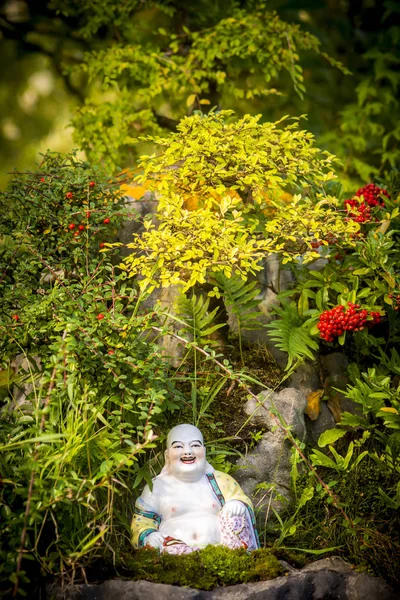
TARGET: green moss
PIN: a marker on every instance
(209, 568)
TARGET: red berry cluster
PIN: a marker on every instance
(360, 212)
(334, 322)
(372, 194)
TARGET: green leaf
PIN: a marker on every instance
(330, 436)
(291, 334)
(40, 439)
(318, 458)
(363, 271)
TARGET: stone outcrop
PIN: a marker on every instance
(326, 579)
(269, 461)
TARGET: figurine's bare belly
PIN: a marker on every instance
(190, 512)
(193, 528)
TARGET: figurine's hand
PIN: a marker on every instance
(155, 540)
(235, 508)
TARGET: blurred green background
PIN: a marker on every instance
(354, 116)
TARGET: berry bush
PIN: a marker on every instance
(334, 322)
(359, 208)
(77, 354)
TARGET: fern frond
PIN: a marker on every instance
(240, 297)
(291, 335)
(198, 321)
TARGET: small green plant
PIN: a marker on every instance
(292, 334)
(339, 463)
(240, 298)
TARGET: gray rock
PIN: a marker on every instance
(269, 465)
(326, 579)
(318, 265)
(172, 348)
(119, 589)
(268, 300)
(274, 275)
(140, 208)
(306, 378)
(289, 404)
(269, 462)
(335, 363)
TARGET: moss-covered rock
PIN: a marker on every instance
(206, 569)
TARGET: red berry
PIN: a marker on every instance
(81, 227)
(101, 244)
(110, 352)
(106, 221)
(87, 214)
(15, 317)
(100, 316)
(71, 226)
(76, 234)
(91, 184)
(42, 179)
(69, 195)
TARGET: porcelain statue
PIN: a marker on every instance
(191, 504)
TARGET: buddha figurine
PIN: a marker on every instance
(191, 505)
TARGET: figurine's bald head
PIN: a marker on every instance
(184, 432)
(185, 456)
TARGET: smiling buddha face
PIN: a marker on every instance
(185, 456)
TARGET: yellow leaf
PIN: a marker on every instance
(389, 409)
(313, 404)
(191, 99)
(383, 226)
(134, 191)
(46, 231)
(204, 101)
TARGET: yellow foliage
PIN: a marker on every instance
(195, 201)
(129, 187)
(224, 199)
(313, 404)
(134, 191)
